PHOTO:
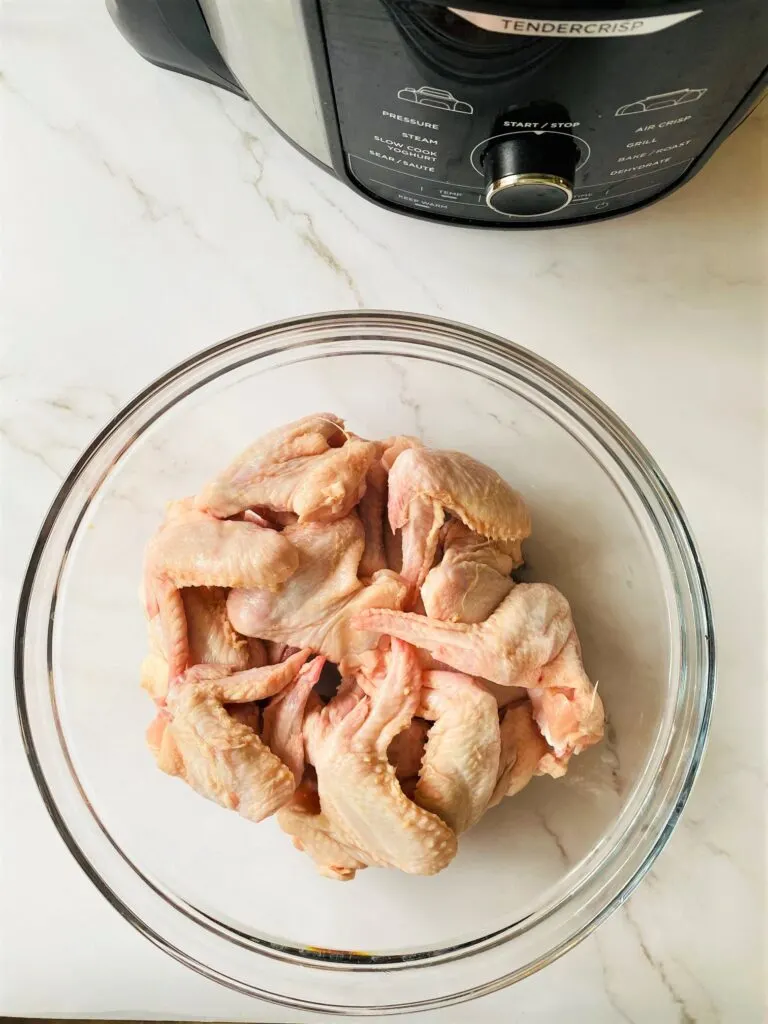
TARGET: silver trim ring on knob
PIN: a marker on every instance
(510, 180)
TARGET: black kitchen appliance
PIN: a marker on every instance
(488, 112)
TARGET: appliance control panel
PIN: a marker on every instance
(483, 119)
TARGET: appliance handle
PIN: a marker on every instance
(173, 34)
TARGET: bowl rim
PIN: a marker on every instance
(596, 410)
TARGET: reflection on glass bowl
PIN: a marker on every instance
(230, 899)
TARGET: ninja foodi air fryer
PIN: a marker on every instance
(496, 114)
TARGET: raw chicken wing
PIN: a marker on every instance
(284, 718)
(314, 607)
(461, 760)
(438, 684)
(394, 446)
(419, 539)
(522, 749)
(311, 831)
(525, 633)
(566, 708)
(406, 750)
(424, 484)
(218, 756)
(211, 640)
(393, 541)
(312, 467)
(192, 549)
(154, 668)
(471, 579)
(359, 793)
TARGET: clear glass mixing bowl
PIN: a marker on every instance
(234, 900)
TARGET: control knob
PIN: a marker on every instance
(530, 173)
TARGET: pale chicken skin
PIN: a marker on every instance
(313, 468)
(419, 538)
(311, 832)
(471, 491)
(522, 750)
(460, 766)
(211, 640)
(395, 446)
(392, 539)
(527, 630)
(192, 549)
(347, 742)
(371, 510)
(471, 579)
(314, 607)
(247, 714)
(221, 758)
(425, 484)
(283, 718)
(406, 751)
(335, 637)
(529, 642)
(566, 708)
(153, 674)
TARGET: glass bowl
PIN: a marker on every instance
(234, 900)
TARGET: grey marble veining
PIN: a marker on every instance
(145, 216)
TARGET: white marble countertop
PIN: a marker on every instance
(145, 216)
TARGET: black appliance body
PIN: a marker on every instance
(487, 113)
